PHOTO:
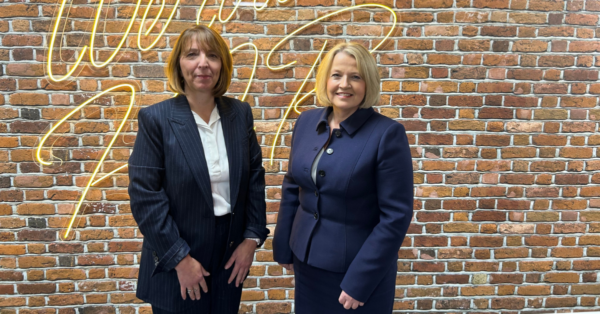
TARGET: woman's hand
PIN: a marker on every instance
(289, 267)
(348, 302)
(191, 275)
(242, 257)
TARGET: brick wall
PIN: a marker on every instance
(498, 98)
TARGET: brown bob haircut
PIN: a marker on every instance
(367, 68)
(208, 40)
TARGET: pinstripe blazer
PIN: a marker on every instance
(171, 198)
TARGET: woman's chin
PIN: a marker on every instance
(202, 88)
(345, 105)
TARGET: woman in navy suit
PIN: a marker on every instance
(197, 185)
(347, 195)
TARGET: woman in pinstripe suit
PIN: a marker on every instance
(197, 185)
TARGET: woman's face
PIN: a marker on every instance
(345, 86)
(200, 69)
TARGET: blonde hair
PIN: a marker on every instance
(367, 68)
(209, 40)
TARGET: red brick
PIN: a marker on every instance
(492, 4)
(19, 10)
(434, 4)
(546, 5)
(428, 267)
(499, 31)
(581, 19)
(37, 288)
(508, 303)
(530, 46)
(581, 75)
(474, 45)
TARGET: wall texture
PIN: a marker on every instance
(498, 97)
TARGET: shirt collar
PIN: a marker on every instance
(351, 124)
(214, 117)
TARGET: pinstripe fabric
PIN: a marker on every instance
(171, 198)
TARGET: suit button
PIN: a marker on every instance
(316, 216)
(322, 173)
(231, 244)
(338, 133)
(316, 194)
(329, 151)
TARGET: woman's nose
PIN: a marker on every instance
(202, 60)
(344, 82)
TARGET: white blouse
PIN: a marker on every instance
(313, 170)
(215, 153)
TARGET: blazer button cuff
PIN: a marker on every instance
(231, 244)
(316, 194)
(316, 216)
(155, 258)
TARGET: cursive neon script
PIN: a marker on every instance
(143, 34)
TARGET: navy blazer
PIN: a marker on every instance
(171, 198)
(355, 217)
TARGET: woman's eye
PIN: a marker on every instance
(356, 77)
(335, 75)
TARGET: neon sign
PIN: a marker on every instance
(98, 64)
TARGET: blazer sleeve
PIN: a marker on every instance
(256, 208)
(290, 200)
(394, 182)
(149, 201)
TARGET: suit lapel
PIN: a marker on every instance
(233, 132)
(186, 131)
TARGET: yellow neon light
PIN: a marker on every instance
(302, 99)
(51, 48)
(263, 6)
(164, 27)
(160, 11)
(200, 13)
(93, 35)
(237, 4)
(106, 151)
(327, 16)
(253, 67)
(212, 21)
(109, 174)
(293, 104)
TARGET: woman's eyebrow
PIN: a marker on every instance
(352, 73)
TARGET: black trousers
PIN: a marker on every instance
(221, 298)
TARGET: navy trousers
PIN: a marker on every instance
(318, 291)
(222, 298)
